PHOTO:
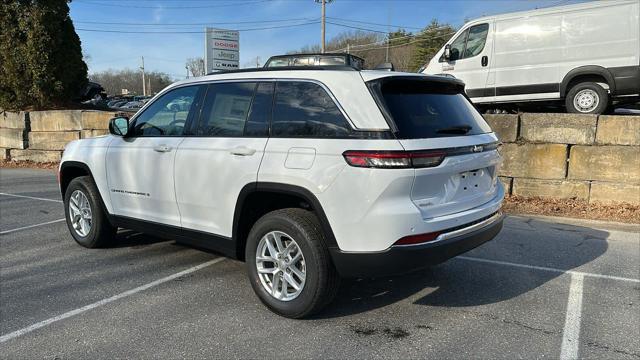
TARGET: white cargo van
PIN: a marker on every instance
(586, 54)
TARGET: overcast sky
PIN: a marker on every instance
(112, 41)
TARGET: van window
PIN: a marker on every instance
(423, 109)
(457, 46)
(476, 39)
(468, 44)
(304, 109)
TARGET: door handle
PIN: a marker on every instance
(242, 151)
(485, 60)
(162, 148)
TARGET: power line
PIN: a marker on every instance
(407, 43)
(193, 24)
(191, 32)
(358, 28)
(171, 7)
(405, 37)
(372, 23)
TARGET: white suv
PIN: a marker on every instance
(307, 174)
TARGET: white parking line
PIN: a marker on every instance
(571, 334)
(544, 268)
(31, 197)
(29, 227)
(96, 304)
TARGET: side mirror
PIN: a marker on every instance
(119, 126)
(447, 52)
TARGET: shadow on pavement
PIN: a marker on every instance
(460, 282)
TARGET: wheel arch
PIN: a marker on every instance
(587, 71)
(70, 170)
(269, 196)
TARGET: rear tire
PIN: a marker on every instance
(587, 98)
(296, 229)
(85, 215)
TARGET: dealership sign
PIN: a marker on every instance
(222, 49)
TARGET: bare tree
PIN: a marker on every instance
(113, 81)
(196, 66)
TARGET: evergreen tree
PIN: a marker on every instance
(429, 41)
(40, 53)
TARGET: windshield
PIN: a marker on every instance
(427, 109)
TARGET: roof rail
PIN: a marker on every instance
(285, 68)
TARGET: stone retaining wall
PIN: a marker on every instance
(570, 156)
(585, 157)
(40, 136)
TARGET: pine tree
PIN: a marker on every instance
(429, 41)
(40, 53)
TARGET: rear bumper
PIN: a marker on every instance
(402, 259)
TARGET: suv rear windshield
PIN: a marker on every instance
(421, 108)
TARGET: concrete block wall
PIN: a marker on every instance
(566, 156)
(40, 136)
(570, 156)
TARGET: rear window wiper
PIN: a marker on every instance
(461, 129)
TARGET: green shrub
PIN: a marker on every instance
(40, 55)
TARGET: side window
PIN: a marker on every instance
(167, 115)
(226, 109)
(260, 115)
(304, 109)
(457, 46)
(476, 39)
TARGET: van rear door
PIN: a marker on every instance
(433, 114)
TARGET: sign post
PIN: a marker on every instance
(222, 49)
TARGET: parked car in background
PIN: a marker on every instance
(132, 105)
(587, 55)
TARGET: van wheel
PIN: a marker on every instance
(85, 216)
(587, 98)
(289, 265)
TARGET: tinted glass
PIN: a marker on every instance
(422, 109)
(304, 109)
(258, 123)
(167, 115)
(226, 109)
(476, 40)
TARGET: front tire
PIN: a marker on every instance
(85, 215)
(587, 98)
(289, 265)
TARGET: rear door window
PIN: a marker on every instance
(427, 109)
(304, 109)
(226, 109)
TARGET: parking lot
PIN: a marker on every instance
(543, 288)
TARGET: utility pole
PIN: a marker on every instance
(149, 85)
(186, 67)
(323, 2)
(386, 54)
(348, 49)
(144, 85)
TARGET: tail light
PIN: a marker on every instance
(394, 159)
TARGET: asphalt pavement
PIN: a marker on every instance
(544, 288)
